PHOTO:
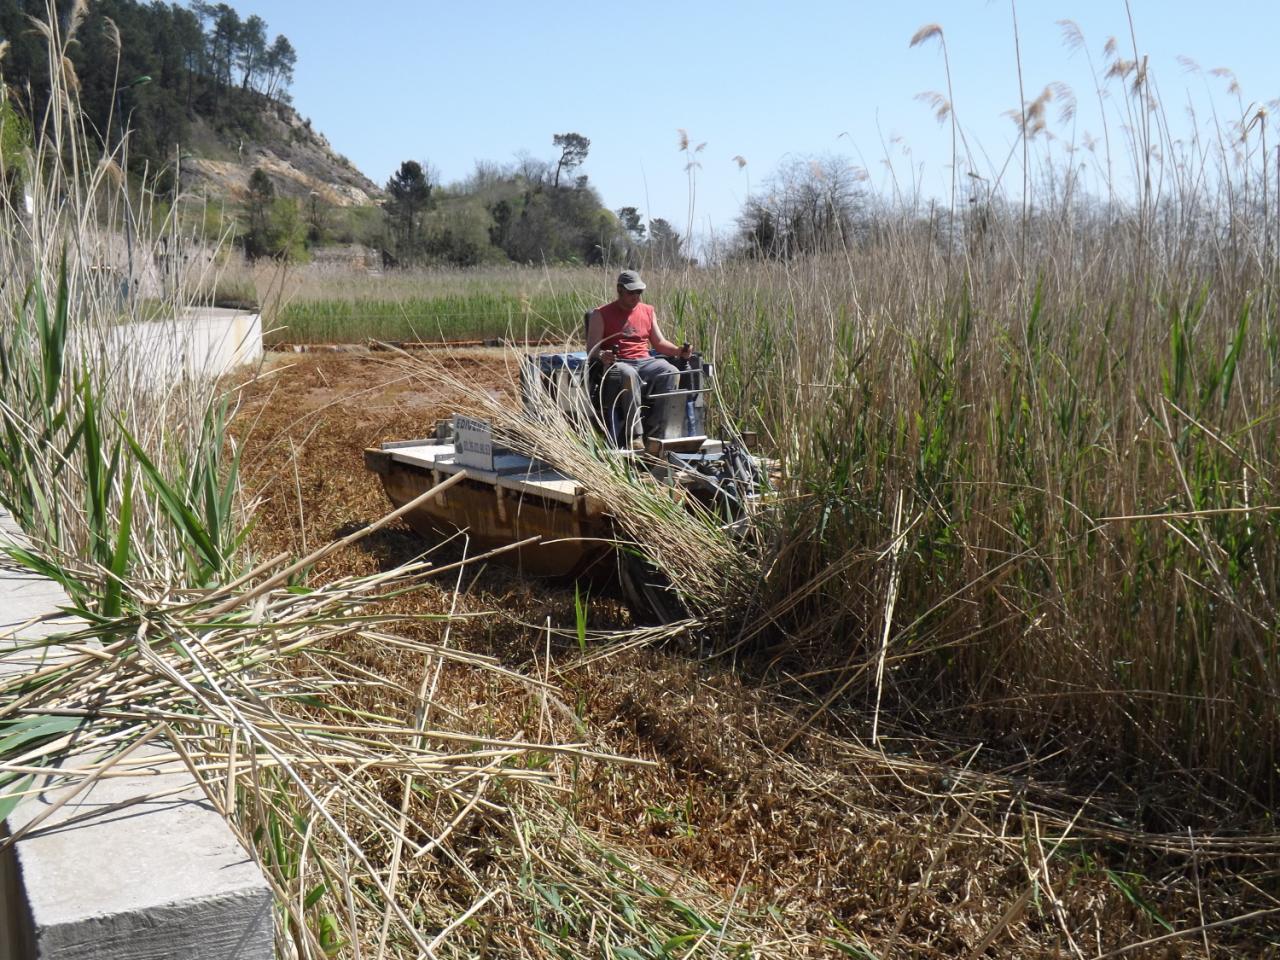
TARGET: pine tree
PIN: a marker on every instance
(409, 196)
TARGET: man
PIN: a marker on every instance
(620, 335)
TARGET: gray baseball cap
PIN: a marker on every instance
(630, 280)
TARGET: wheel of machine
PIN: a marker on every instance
(652, 598)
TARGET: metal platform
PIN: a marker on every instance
(518, 499)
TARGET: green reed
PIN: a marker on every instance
(475, 315)
(1089, 550)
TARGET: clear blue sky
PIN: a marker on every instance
(452, 83)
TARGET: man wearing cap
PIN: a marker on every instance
(620, 335)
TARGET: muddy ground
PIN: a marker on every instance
(836, 836)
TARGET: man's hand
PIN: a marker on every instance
(686, 351)
(606, 358)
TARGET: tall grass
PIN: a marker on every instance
(1032, 462)
(1088, 481)
(106, 455)
(426, 318)
(327, 303)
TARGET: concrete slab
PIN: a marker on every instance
(154, 879)
(25, 598)
(134, 868)
(30, 608)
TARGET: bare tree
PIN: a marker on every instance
(533, 170)
(807, 206)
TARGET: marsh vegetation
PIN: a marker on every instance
(995, 669)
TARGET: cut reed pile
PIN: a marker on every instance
(330, 796)
(690, 549)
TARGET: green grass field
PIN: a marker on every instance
(450, 317)
(323, 305)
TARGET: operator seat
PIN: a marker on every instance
(684, 428)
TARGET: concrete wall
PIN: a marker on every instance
(204, 342)
(137, 867)
(132, 868)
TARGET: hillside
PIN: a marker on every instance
(206, 85)
(298, 160)
(200, 79)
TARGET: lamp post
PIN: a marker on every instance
(124, 171)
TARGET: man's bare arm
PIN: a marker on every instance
(595, 330)
(662, 344)
(595, 336)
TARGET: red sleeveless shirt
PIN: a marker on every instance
(626, 334)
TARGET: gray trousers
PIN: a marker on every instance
(621, 397)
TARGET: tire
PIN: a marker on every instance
(648, 592)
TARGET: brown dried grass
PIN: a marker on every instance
(829, 847)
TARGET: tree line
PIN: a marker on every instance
(155, 67)
(533, 210)
(536, 210)
(150, 67)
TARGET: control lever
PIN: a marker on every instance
(690, 410)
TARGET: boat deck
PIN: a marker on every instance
(513, 471)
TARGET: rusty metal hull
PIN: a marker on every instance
(576, 537)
